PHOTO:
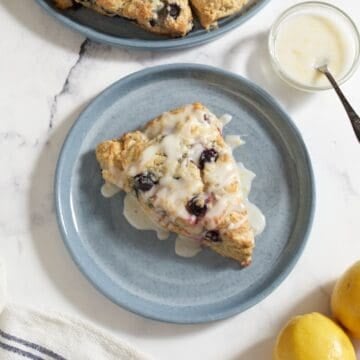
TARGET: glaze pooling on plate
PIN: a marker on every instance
(135, 269)
(137, 218)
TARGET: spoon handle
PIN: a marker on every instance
(354, 118)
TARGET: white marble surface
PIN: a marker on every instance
(48, 74)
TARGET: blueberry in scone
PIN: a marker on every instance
(185, 178)
(168, 17)
(210, 11)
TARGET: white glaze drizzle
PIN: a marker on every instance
(225, 119)
(136, 217)
(186, 247)
(306, 41)
(179, 135)
(234, 141)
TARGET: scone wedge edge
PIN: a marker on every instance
(185, 178)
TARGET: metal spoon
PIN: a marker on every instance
(354, 118)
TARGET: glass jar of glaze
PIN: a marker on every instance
(311, 34)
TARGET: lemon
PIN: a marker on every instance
(313, 337)
(345, 300)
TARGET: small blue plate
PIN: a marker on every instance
(136, 270)
(120, 32)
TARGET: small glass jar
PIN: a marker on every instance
(325, 11)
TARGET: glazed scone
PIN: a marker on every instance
(168, 17)
(185, 178)
(210, 11)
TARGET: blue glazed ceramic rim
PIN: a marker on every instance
(167, 44)
(106, 285)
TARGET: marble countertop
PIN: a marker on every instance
(49, 73)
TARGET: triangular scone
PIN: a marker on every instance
(210, 11)
(168, 17)
(185, 178)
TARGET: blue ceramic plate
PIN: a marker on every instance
(121, 32)
(136, 270)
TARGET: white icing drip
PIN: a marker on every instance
(256, 218)
(186, 247)
(195, 152)
(222, 175)
(136, 217)
(147, 155)
(221, 206)
(109, 190)
(246, 178)
(171, 145)
(225, 119)
(169, 121)
(234, 141)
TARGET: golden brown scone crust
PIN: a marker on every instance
(210, 11)
(168, 17)
(237, 244)
(170, 148)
